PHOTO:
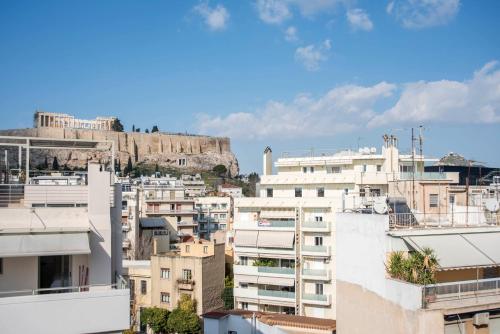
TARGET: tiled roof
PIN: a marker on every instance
(276, 319)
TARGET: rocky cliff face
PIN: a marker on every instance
(200, 152)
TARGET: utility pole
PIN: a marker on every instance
(414, 204)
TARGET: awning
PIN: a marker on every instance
(246, 238)
(453, 251)
(487, 243)
(276, 281)
(44, 244)
(153, 222)
(246, 278)
(275, 239)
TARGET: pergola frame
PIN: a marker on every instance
(29, 143)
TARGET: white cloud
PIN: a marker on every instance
(417, 14)
(342, 109)
(291, 34)
(359, 19)
(273, 11)
(215, 17)
(312, 56)
(472, 101)
(310, 8)
(351, 107)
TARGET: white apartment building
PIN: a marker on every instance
(60, 251)
(285, 239)
(130, 220)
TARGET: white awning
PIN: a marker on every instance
(246, 278)
(275, 239)
(453, 251)
(487, 243)
(246, 238)
(276, 281)
(43, 244)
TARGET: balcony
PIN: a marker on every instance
(276, 294)
(185, 284)
(154, 211)
(313, 250)
(314, 226)
(316, 274)
(266, 224)
(98, 310)
(263, 271)
(313, 299)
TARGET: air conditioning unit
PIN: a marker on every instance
(481, 319)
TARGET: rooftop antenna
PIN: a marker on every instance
(421, 146)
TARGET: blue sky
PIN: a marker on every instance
(292, 74)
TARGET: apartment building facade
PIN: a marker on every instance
(60, 255)
(195, 269)
(285, 239)
(463, 299)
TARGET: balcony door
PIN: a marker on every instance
(54, 271)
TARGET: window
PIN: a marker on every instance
(304, 169)
(222, 216)
(172, 207)
(188, 248)
(320, 192)
(298, 192)
(375, 192)
(244, 260)
(182, 162)
(318, 241)
(244, 285)
(131, 284)
(244, 306)
(335, 169)
(144, 287)
(364, 168)
(186, 274)
(311, 169)
(319, 288)
(269, 192)
(379, 168)
(405, 169)
(179, 219)
(346, 191)
(1, 266)
(223, 205)
(165, 297)
(433, 200)
(165, 273)
(318, 218)
(205, 249)
(362, 192)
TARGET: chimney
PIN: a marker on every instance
(268, 161)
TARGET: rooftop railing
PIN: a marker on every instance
(474, 218)
(461, 290)
(422, 176)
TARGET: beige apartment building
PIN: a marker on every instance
(44, 119)
(195, 269)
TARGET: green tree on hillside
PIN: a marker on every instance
(154, 129)
(117, 125)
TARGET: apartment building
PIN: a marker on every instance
(285, 239)
(230, 190)
(196, 269)
(60, 250)
(43, 119)
(130, 220)
(462, 297)
(193, 185)
(167, 198)
(214, 214)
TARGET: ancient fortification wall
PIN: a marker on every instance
(200, 152)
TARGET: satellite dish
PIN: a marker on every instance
(491, 205)
(380, 206)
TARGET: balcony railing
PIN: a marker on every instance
(170, 212)
(461, 290)
(121, 284)
(276, 293)
(475, 217)
(311, 296)
(315, 272)
(316, 249)
(276, 270)
(422, 176)
(275, 223)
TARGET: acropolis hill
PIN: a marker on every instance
(165, 149)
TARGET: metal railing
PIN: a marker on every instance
(276, 293)
(472, 218)
(313, 248)
(276, 223)
(312, 296)
(422, 176)
(276, 270)
(461, 290)
(121, 284)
